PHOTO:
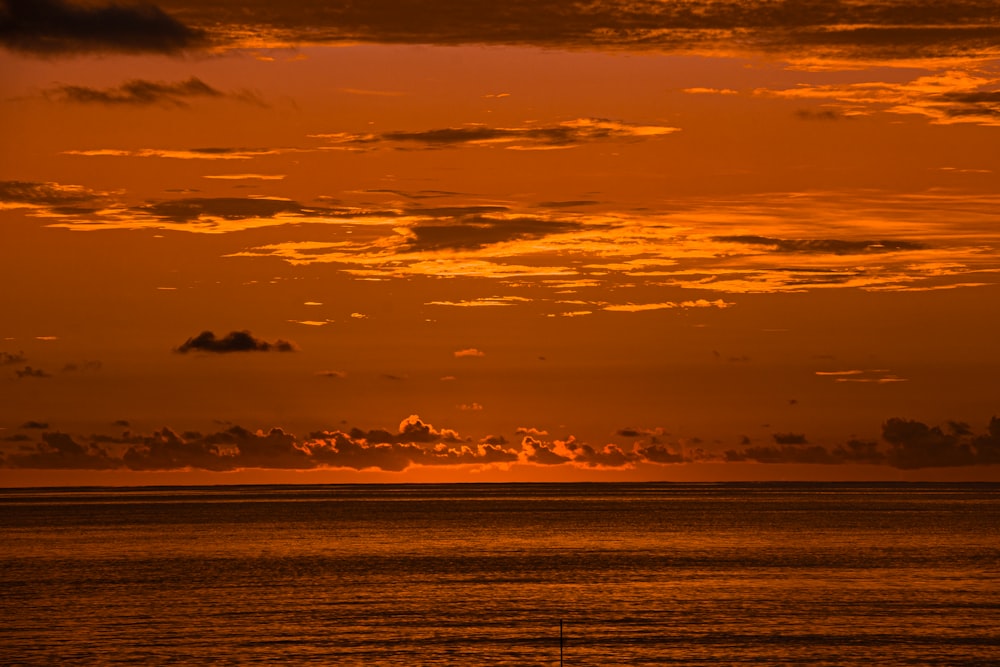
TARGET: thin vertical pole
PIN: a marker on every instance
(560, 643)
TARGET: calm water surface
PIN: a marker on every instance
(640, 574)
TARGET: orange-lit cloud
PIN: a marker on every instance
(834, 29)
(908, 444)
(946, 97)
(525, 137)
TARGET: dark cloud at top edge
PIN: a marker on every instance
(865, 29)
(235, 341)
(58, 27)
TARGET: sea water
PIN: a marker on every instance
(636, 574)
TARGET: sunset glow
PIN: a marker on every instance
(396, 241)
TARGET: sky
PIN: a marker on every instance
(442, 241)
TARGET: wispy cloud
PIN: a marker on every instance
(565, 134)
(937, 239)
(944, 97)
(666, 305)
(136, 92)
(202, 153)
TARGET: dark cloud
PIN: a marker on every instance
(34, 425)
(137, 92)
(916, 445)
(911, 445)
(572, 203)
(783, 454)
(542, 453)
(661, 454)
(472, 232)
(90, 366)
(61, 451)
(790, 439)
(11, 358)
(839, 28)
(235, 341)
(122, 422)
(821, 246)
(419, 194)
(45, 194)
(526, 137)
(455, 211)
(29, 372)
(411, 430)
(984, 103)
(54, 27)
(821, 114)
(227, 208)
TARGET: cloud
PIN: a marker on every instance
(34, 425)
(790, 439)
(860, 29)
(245, 177)
(469, 352)
(136, 92)
(12, 358)
(821, 114)
(667, 305)
(709, 245)
(57, 27)
(199, 153)
(67, 198)
(87, 366)
(29, 372)
(873, 376)
(910, 445)
(474, 232)
(916, 445)
(222, 208)
(235, 341)
(821, 246)
(490, 301)
(60, 451)
(565, 134)
(944, 97)
(338, 375)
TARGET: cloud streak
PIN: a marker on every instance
(138, 92)
(566, 134)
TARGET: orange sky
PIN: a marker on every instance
(680, 240)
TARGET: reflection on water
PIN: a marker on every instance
(815, 574)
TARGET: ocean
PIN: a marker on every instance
(485, 574)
